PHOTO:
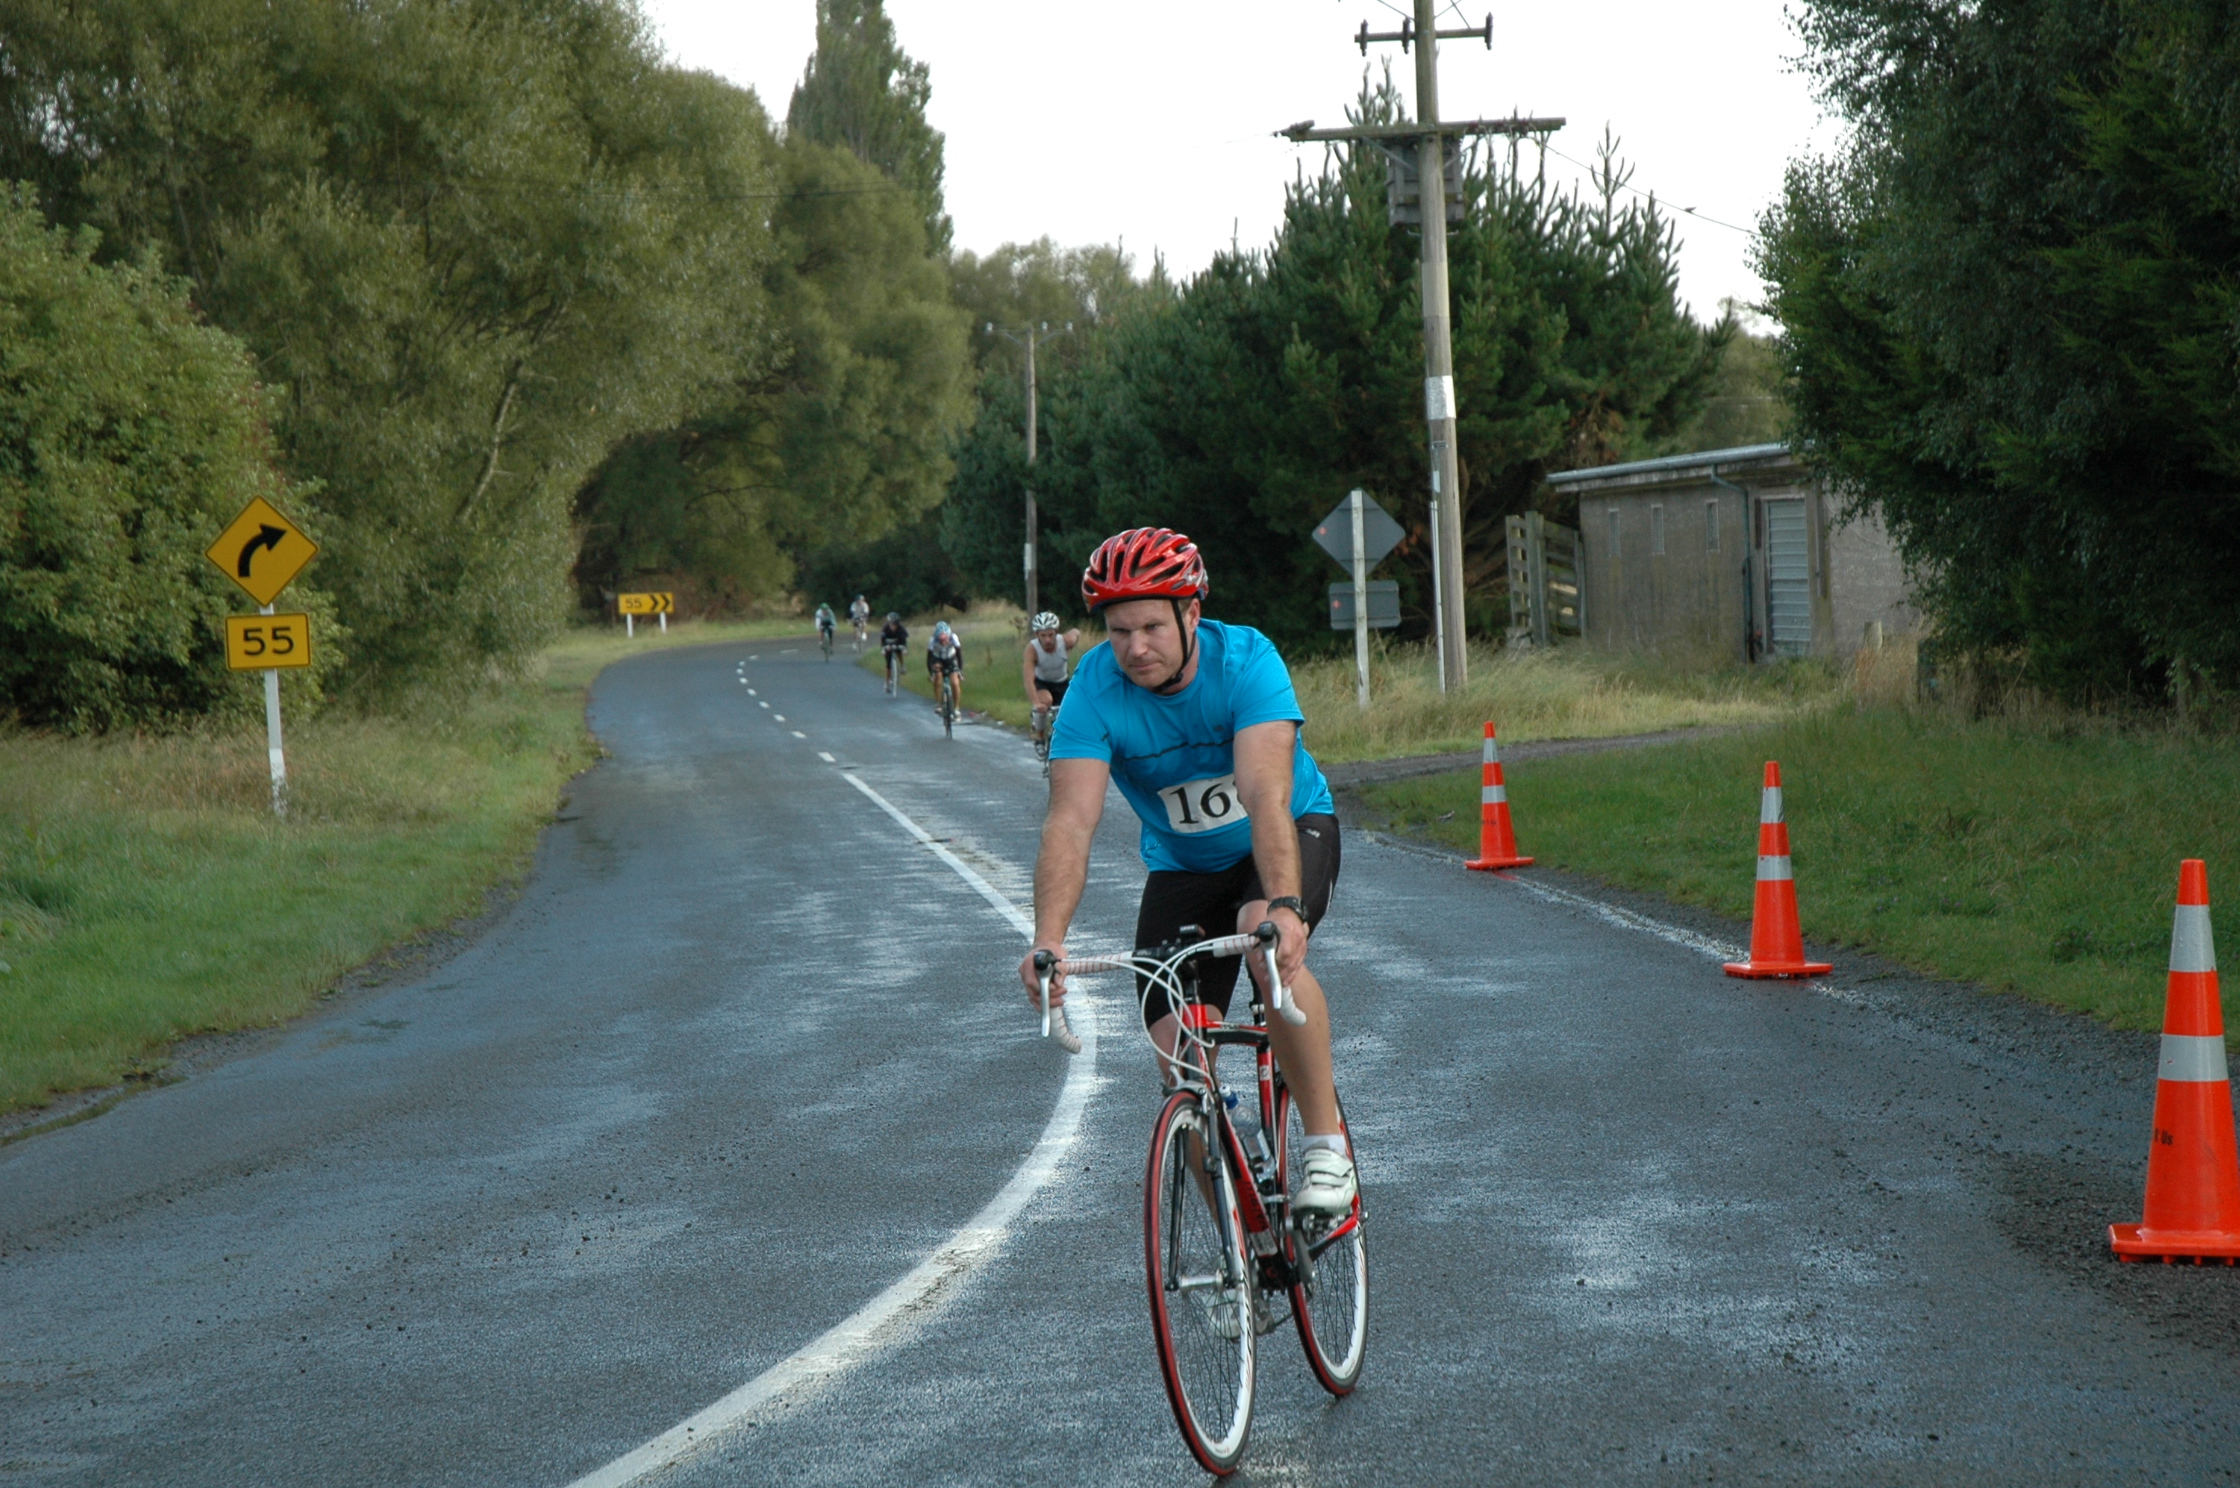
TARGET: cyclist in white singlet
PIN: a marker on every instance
(1043, 670)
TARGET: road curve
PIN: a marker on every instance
(742, 1058)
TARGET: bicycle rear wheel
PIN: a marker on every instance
(948, 708)
(1330, 1273)
(1203, 1303)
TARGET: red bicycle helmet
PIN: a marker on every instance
(1143, 563)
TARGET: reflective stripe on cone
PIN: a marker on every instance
(1776, 938)
(2193, 1169)
(1497, 836)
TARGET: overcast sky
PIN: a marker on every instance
(1150, 122)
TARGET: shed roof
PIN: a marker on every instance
(1671, 466)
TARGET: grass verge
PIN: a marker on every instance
(1569, 693)
(2038, 857)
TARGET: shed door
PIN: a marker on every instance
(1788, 579)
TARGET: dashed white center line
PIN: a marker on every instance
(778, 717)
(828, 759)
(797, 733)
(763, 705)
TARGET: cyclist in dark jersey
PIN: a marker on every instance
(894, 639)
(1197, 724)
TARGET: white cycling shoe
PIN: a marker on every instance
(1326, 1183)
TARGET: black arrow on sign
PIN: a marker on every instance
(268, 536)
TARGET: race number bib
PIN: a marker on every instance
(1203, 805)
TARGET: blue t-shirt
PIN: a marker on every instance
(1174, 757)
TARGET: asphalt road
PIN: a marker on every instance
(745, 1055)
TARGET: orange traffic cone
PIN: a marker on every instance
(1497, 836)
(1776, 942)
(2193, 1171)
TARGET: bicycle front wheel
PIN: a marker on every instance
(1204, 1307)
(1330, 1273)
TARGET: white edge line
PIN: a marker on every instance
(1717, 950)
(848, 1342)
(1626, 919)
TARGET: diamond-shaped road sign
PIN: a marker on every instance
(1379, 533)
(261, 551)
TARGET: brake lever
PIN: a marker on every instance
(1044, 965)
(1279, 996)
(1044, 962)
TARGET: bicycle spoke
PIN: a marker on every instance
(1330, 1291)
(1203, 1301)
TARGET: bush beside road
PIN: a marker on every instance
(2031, 856)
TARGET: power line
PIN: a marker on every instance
(1649, 196)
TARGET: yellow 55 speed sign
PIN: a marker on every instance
(256, 643)
(262, 551)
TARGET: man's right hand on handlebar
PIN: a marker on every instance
(1032, 979)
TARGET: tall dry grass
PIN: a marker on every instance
(1567, 693)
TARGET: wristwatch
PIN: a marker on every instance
(1293, 903)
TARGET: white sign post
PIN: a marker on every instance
(1358, 533)
(273, 752)
(1360, 603)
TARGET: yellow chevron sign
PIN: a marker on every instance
(645, 604)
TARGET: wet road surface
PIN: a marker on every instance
(745, 1054)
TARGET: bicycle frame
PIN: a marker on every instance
(1262, 1204)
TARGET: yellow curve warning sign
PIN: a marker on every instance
(262, 551)
(645, 604)
(259, 643)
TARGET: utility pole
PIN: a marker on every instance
(1421, 36)
(1027, 336)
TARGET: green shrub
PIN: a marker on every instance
(130, 433)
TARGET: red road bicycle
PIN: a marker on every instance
(1220, 1238)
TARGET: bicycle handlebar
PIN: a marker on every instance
(1264, 939)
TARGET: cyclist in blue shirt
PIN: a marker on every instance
(1197, 723)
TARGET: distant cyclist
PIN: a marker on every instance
(1043, 671)
(860, 614)
(1197, 723)
(945, 656)
(825, 624)
(894, 640)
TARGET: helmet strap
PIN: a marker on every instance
(1189, 648)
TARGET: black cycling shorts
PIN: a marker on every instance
(1057, 690)
(1173, 899)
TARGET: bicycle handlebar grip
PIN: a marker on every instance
(1068, 1040)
